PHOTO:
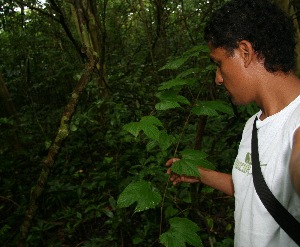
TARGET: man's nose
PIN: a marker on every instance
(218, 78)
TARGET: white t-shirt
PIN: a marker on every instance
(254, 226)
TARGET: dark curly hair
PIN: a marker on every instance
(270, 31)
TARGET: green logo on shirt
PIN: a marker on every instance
(245, 167)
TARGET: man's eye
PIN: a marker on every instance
(215, 63)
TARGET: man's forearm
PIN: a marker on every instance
(217, 180)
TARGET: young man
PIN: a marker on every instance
(252, 43)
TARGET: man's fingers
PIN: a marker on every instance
(169, 171)
(174, 178)
(171, 161)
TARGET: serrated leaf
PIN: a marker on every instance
(150, 145)
(198, 157)
(193, 154)
(198, 48)
(175, 83)
(170, 100)
(219, 106)
(140, 192)
(133, 128)
(165, 141)
(204, 110)
(150, 120)
(190, 161)
(166, 105)
(186, 167)
(189, 72)
(151, 131)
(172, 96)
(181, 231)
(181, 99)
(171, 211)
(175, 64)
(147, 124)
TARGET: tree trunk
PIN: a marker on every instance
(62, 133)
(93, 34)
(48, 162)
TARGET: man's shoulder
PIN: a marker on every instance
(250, 120)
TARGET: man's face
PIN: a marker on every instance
(231, 74)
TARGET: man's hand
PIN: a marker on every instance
(176, 178)
(217, 180)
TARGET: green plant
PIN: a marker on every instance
(147, 191)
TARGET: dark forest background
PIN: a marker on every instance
(95, 97)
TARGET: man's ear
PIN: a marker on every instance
(247, 52)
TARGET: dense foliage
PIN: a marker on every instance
(151, 97)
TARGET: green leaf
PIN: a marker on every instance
(193, 154)
(73, 127)
(166, 105)
(189, 72)
(219, 105)
(176, 82)
(188, 164)
(211, 108)
(193, 52)
(148, 125)
(150, 145)
(165, 141)
(150, 120)
(4, 120)
(186, 167)
(151, 131)
(181, 231)
(175, 64)
(133, 128)
(137, 240)
(170, 212)
(4, 230)
(170, 100)
(197, 48)
(172, 96)
(140, 192)
(203, 110)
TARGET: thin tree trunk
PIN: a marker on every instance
(48, 162)
(93, 33)
(88, 29)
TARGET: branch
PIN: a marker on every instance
(64, 25)
(60, 20)
(48, 162)
(37, 9)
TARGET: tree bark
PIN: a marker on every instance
(48, 162)
(93, 35)
(62, 133)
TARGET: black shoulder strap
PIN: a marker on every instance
(285, 220)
